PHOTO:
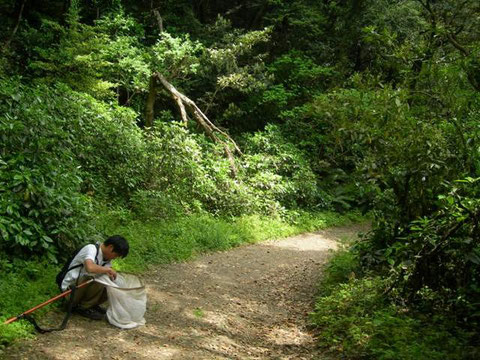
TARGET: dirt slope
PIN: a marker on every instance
(251, 302)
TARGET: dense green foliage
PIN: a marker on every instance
(336, 105)
(357, 320)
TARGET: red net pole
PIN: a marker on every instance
(65, 293)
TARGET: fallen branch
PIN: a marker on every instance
(186, 104)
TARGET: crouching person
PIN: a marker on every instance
(91, 260)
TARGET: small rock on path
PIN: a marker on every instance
(251, 302)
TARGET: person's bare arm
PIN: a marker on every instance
(91, 267)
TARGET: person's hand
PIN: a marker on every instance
(111, 273)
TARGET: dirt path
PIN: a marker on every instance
(251, 302)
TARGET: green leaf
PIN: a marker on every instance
(474, 258)
(47, 239)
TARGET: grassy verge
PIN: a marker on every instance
(355, 320)
(162, 242)
(24, 284)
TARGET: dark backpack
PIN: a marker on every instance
(65, 269)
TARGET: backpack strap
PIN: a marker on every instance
(97, 245)
(64, 271)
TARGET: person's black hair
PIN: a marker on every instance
(120, 244)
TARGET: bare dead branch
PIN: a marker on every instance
(17, 24)
(233, 10)
(186, 104)
(453, 40)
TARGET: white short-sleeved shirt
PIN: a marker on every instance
(86, 253)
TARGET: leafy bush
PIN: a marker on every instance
(62, 148)
(108, 144)
(341, 268)
(191, 173)
(40, 199)
(279, 171)
(188, 173)
(356, 320)
(435, 261)
(59, 148)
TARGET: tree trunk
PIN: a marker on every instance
(150, 105)
(159, 20)
(257, 20)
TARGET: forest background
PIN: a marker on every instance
(191, 126)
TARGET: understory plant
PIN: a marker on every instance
(355, 319)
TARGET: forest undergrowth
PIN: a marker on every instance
(165, 120)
